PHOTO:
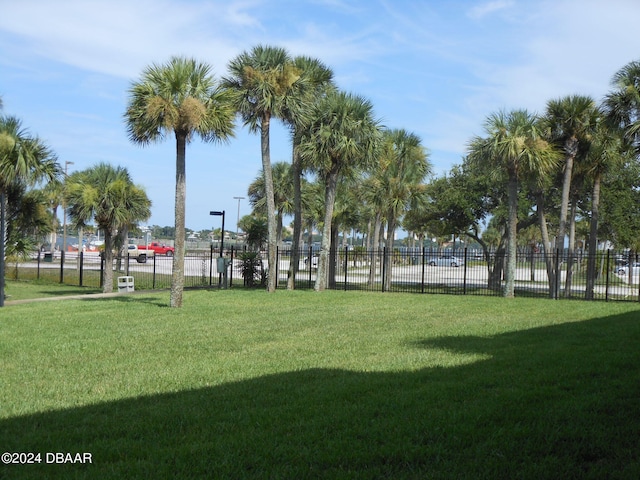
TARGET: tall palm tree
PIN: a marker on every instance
(514, 144)
(264, 79)
(571, 120)
(315, 80)
(180, 97)
(342, 134)
(25, 160)
(623, 103)
(107, 195)
(608, 149)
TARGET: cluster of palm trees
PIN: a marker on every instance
(558, 159)
(335, 137)
(25, 160)
(102, 194)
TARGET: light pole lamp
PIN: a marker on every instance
(238, 219)
(218, 213)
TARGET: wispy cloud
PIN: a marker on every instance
(484, 9)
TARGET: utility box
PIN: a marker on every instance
(222, 264)
(48, 257)
(125, 284)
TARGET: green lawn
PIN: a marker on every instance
(243, 384)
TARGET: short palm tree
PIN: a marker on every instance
(180, 97)
(24, 160)
(108, 196)
(282, 194)
(514, 144)
(342, 135)
(264, 79)
(402, 169)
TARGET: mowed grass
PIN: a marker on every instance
(24, 290)
(245, 384)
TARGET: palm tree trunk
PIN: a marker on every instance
(177, 277)
(331, 185)
(546, 245)
(391, 228)
(296, 171)
(570, 252)
(3, 238)
(571, 149)
(108, 262)
(512, 230)
(272, 241)
(593, 238)
(375, 244)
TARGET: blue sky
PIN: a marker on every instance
(436, 68)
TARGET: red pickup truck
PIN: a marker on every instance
(158, 249)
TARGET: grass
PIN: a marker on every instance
(243, 384)
(24, 290)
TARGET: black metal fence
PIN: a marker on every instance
(460, 272)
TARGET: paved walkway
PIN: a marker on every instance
(83, 296)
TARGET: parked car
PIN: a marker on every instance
(140, 255)
(314, 261)
(158, 248)
(446, 261)
(623, 270)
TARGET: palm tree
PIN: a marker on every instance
(264, 79)
(180, 97)
(514, 144)
(315, 80)
(571, 120)
(342, 135)
(24, 160)
(282, 193)
(623, 103)
(402, 169)
(107, 195)
(608, 149)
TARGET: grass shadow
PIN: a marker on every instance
(553, 402)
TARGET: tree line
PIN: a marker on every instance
(527, 173)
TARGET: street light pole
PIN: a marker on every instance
(238, 219)
(64, 210)
(218, 213)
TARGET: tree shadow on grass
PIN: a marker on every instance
(553, 402)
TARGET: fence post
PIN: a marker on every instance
(153, 280)
(464, 280)
(277, 264)
(346, 260)
(61, 266)
(210, 264)
(557, 282)
(101, 269)
(384, 264)
(424, 262)
(81, 253)
(310, 262)
(231, 263)
(38, 274)
(606, 288)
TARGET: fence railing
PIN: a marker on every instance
(461, 272)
